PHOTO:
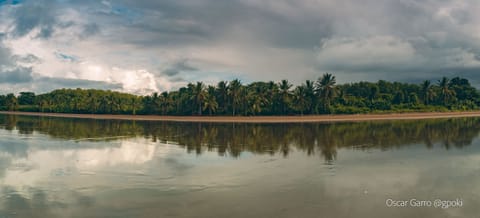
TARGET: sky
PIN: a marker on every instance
(145, 46)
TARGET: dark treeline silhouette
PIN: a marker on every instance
(232, 139)
(323, 96)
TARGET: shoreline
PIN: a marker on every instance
(260, 119)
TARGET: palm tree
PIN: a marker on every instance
(43, 104)
(445, 92)
(285, 94)
(92, 102)
(257, 100)
(272, 90)
(11, 102)
(222, 90)
(234, 91)
(164, 102)
(326, 89)
(156, 102)
(310, 93)
(301, 99)
(210, 100)
(105, 103)
(198, 96)
(135, 101)
(427, 92)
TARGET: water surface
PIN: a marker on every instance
(55, 167)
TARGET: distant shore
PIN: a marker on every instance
(261, 119)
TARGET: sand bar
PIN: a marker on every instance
(262, 119)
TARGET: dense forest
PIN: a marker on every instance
(323, 96)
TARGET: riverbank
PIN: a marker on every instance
(261, 119)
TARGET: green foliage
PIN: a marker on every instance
(11, 102)
(26, 98)
(260, 98)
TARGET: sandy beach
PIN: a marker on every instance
(262, 119)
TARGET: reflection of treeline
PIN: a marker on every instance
(70, 128)
(232, 139)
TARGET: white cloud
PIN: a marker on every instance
(40, 165)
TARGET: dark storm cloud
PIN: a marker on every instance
(56, 83)
(17, 75)
(173, 22)
(178, 67)
(74, 83)
(402, 37)
(34, 14)
(10, 71)
(27, 59)
(5, 56)
(46, 16)
(90, 29)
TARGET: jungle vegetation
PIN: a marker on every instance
(323, 96)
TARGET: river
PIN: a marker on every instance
(64, 167)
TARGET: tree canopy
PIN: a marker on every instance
(324, 96)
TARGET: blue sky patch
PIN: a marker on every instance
(65, 57)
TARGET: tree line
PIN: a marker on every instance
(323, 96)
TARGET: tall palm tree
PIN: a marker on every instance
(310, 93)
(93, 102)
(427, 92)
(165, 102)
(326, 89)
(211, 103)
(135, 104)
(235, 91)
(256, 100)
(301, 99)
(198, 96)
(285, 94)
(11, 102)
(272, 91)
(445, 92)
(43, 104)
(222, 95)
(156, 102)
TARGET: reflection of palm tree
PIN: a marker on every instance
(328, 143)
(323, 139)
